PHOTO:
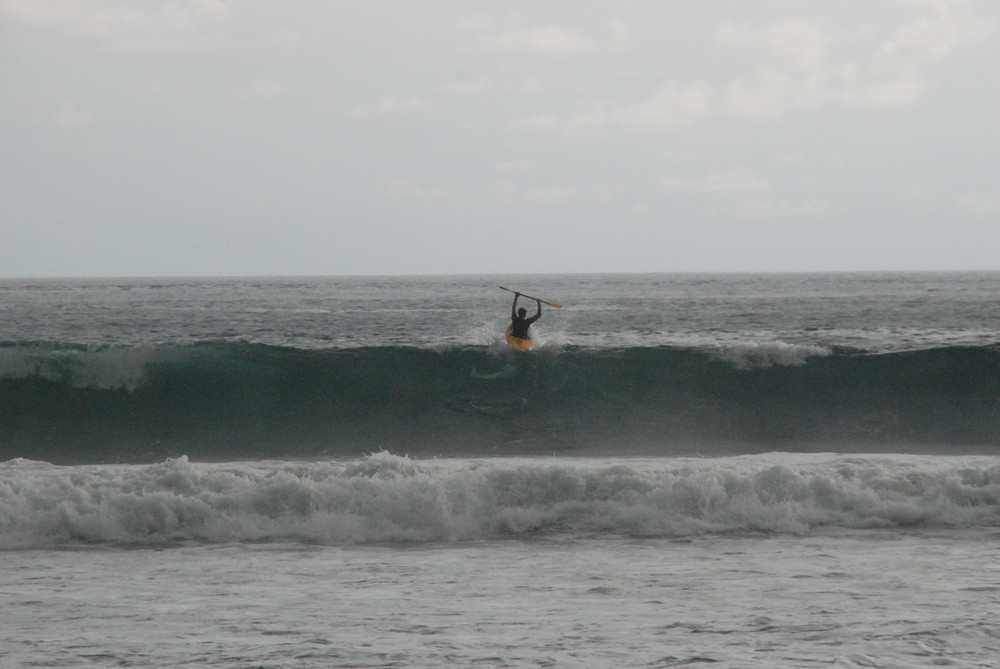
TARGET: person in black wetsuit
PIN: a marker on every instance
(518, 323)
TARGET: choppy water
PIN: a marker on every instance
(866, 311)
(869, 599)
(743, 470)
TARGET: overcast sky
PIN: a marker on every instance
(258, 137)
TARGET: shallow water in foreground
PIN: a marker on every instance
(857, 598)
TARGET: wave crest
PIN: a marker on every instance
(756, 355)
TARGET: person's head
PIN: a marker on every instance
(521, 312)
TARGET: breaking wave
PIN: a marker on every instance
(384, 497)
(235, 401)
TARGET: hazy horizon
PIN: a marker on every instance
(492, 275)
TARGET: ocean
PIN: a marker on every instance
(736, 470)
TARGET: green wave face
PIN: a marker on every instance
(227, 401)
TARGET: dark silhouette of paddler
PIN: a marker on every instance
(519, 323)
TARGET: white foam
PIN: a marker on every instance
(104, 368)
(756, 355)
(390, 498)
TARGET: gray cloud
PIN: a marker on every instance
(219, 137)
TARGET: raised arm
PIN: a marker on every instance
(513, 307)
(538, 314)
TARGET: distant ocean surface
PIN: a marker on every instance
(737, 469)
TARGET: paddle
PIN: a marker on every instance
(551, 304)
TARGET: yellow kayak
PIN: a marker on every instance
(518, 342)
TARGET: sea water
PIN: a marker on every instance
(737, 470)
